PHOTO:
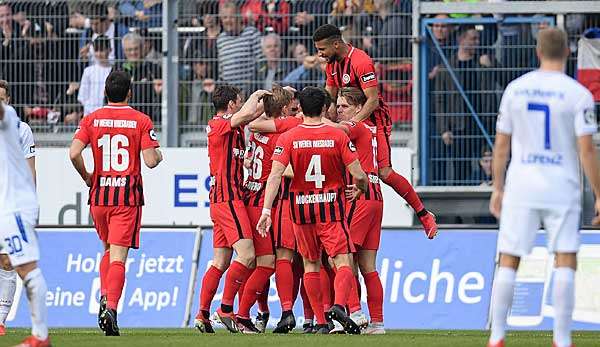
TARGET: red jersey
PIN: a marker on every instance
(117, 135)
(319, 155)
(261, 147)
(226, 148)
(364, 138)
(357, 70)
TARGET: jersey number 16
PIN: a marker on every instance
(115, 156)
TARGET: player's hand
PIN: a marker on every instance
(447, 138)
(596, 219)
(260, 93)
(496, 203)
(264, 224)
(352, 192)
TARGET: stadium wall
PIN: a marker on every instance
(441, 284)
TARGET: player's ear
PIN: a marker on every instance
(129, 95)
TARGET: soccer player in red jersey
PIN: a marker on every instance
(349, 66)
(232, 229)
(319, 155)
(117, 135)
(260, 150)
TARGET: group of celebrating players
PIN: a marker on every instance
(310, 209)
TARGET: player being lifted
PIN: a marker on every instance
(348, 66)
(319, 155)
(544, 117)
(117, 135)
(18, 217)
(8, 276)
(232, 229)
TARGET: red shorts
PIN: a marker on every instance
(333, 236)
(384, 149)
(230, 223)
(118, 225)
(364, 220)
(262, 245)
(282, 226)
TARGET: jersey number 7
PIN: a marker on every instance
(534, 107)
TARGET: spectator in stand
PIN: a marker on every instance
(455, 125)
(142, 13)
(268, 15)
(149, 50)
(273, 69)
(482, 176)
(311, 73)
(11, 36)
(308, 15)
(202, 87)
(238, 49)
(444, 35)
(352, 13)
(101, 24)
(91, 88)
(206, 41)
(296, 55)
(392, 31)
(145, 76)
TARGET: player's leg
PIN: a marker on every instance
(100, 217)
(8, 286)
(211, 279)
(518, 227)
(19, 239)
(284, 280)
(562, 228)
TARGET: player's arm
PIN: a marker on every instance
(28, 146)
(77, 147)
(333, 91)
(152, 157)
(273, 183)
(499, 162)
(263, 124)
(370, 105)
(252, 109)
(591, 168)
(31, 164)
(360, 177)
(289, 172)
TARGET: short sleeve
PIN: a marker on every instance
(149, 137)
(347, 150)
(365, 72)
(353, 130)
(286, 123)
(219, 126)
(83, 131)
(585, 116)
(27, 143)
(282, 150)
(504, 121)
(328, 72)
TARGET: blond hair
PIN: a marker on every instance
(354, 96)
(552, 44)
(276, 102)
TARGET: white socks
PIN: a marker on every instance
(563, 299)
(8, 285)
(502, 296)
(35, 284)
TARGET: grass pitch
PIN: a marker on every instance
(190, 337)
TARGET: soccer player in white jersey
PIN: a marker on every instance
(18, 215)
(8, 276)
(545, 116)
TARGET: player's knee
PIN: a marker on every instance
(266, 261)
(366, 265)
(311, 266)
(342, 260)
(510, 261)
(566, 260)
(284, 253)
(24, 269)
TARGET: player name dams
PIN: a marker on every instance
(113, 181)
(315, 198)
(314, 144)
(115, 123)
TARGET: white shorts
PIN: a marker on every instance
(519, 226)
(18, 238)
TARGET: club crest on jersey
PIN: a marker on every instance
(368, 77)
(278, 150)
(589, 116)
(352, 147)
(346, 78)
(153, 135)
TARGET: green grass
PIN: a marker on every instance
(189, 337)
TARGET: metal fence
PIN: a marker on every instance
(56, 66)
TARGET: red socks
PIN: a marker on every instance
(405, 190)
(210, 283)
(254, 287)
(104, 266)
(374, 296)
(354, 296)
(298, 269)
(236, 276)
(343, 284)
(116, 281)
(312, 283)
(284, 279)
(325, 289)
(308, 312)
(263, 298)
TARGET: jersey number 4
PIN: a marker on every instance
(115, 156)
(534, 107)
(313, 172)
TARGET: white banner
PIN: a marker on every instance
(176, 192)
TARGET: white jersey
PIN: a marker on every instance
(26, 139)
(545, 112)
(17, 191)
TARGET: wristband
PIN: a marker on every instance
(266, 211)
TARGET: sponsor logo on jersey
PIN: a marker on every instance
(589, 116)
(352, 147)
(373, 178)
(368, 77)
(239, 153)
(278, 150)
(346, 78)
(253, 186)
(261, 138)
(153, 135)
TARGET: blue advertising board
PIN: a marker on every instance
(156, 287)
